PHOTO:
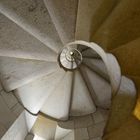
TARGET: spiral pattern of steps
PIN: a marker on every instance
(61, 63)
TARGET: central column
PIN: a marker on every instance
(70, 58)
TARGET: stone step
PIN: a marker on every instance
(15, 73)
(81, 102)
(17, 43)
(33, 95)
(63, 14)
(34, 18)
(97, 66)
(57, 104)
(99, 88)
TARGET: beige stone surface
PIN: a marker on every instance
(83, 121)
(9, 98)
(77, 128)
(122, 26)
(81, 134)
(66, 124)
(6, 115)
(17, 109)
(128, 56)
(18, 129)
(130, 130)
(84, 22)
(122, 105)
(29, 137)
(96, 130)
(44, 127)
(2, 129)
(98, 138)
(91, 14)
(100, 115)
(70, 136)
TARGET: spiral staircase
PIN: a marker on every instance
(72, 63)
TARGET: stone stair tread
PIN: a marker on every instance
(58, 103)
(15, 72)
(81, 102)
(17, 43)
(89, 53)
(44, 128)
(61, 133)
(63, 14)
(33, 95)
(97, 66)
(34, 18)
(99, 88)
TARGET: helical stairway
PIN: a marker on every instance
(63, 59)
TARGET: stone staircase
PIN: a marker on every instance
(66, 62)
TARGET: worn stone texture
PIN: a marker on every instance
(33, 95)
(67, 124)
(17, 43)
(9, 111)
(91, 14)
(77, 128)
(81, 103)
(130, 130)
(122, 26)
(83, 121)
(18, 130)
(70, 136)
(15, 73)
(123, 104)
(58, 103)
(128, 56)
(100, 89)
(33, 17)
(100, 115)
(97, 130)
(98, 66)
(44, 127)
(81, 133)
(63, 14)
